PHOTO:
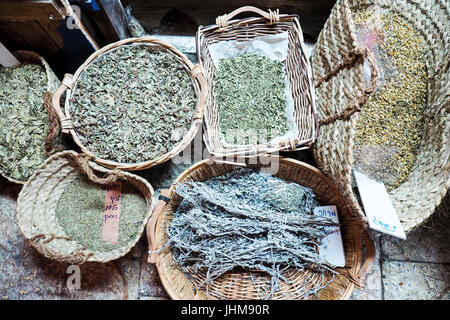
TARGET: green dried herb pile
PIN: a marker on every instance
(250, 220)
(23, 120)
(133, 104)
(250, 93)
(389, 127)
(80, 212)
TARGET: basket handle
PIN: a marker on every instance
(151, 225)
(83, 159)
(355, 56)
(272, 16)
(66, 123)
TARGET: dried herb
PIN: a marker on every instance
(80, 212)
(23, 120)
(133, 104)
(388, 131)
(246, 219)
(250, 93)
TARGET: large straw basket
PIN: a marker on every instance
(30, 57)
(416, 199)
(36, 205)
(297, 68)
(239, 284)
(69, 83)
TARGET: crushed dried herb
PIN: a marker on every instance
(250, 93)
(246, 219)
(80, 212)
(133, 104)
(23, 120)
(388, 131)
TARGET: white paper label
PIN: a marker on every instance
(331, 248)
(378, 206)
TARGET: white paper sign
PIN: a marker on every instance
(378, 206)
(331, 249)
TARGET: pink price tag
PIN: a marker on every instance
(112, 212)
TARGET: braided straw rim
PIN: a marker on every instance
(298, 70)
(200, 87)
(416, 199)
(240, 285)
(37, 202)
(26, 56)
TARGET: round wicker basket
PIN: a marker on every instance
(236, 285)
(30, 57)
(418, 197)
(69, 82)
(38, 199)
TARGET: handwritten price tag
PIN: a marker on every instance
(112, 213)
(331, 248)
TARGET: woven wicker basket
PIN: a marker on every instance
(416, 199)
(69, 82)
(240, 285)
(38, 199)
(30, 57)
(297, 67)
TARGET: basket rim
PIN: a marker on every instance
(260, 149)
(357, 246)
(195, 123)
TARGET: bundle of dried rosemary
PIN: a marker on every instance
(388, 131)
(23, 120)
(133, 104)
(246, 219)
(250, 93)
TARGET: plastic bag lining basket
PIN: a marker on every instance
(298, 70)
(236, 285)
(417, 198)
(37, 201)
(25, 56)
(69, 82)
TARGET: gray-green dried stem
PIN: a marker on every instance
(250, 93)
(246, 219)
(23, 120)
(80, 212)
(133, 104)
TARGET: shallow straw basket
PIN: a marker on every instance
(69, 82)
(297, 67)
(30, 57)
(37, 201)
(240, 284)
(416, 199)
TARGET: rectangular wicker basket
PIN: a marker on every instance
(298, 71)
